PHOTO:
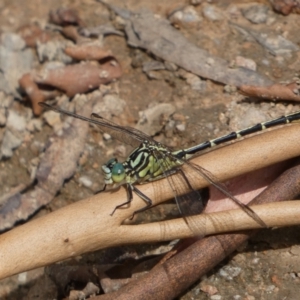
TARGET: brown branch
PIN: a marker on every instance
(284, 92)
(87, 225)
(175, 275)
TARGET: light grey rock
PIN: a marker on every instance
(85, 181)
(256, 14)
(212, 13)
(14, 62)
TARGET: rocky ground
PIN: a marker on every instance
(182, 90)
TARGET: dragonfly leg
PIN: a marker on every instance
(145, 198)
(129, 188)
(101, 190)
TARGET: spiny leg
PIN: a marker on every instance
(180, 171)
(129, 198)
(145, 198)
(129, 189)
(101, 190)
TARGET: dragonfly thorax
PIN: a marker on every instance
(148, 162)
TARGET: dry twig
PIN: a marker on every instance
(87, 225)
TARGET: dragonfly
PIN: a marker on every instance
(151, 160)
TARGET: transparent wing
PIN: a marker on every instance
(125, 134)
(185, 201)
(189, 203)
(212, 180)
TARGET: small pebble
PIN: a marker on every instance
(22, 277)
(229, 89)
(52, 118)
(85, 181)
(54, 51)
(209, 289)
(265, 62)
(120, 22)
(247, 63)
(149, 120)
(155, 75)
(106, 136)
(212, 13)
(14, 62)
(179, 117)
(153, 65)
(186, 16)
(270, 288)
(195, 82)
(256, 14)
(112, 104)
(196, 2)
(10, 141)
(16, 121)
(181, 127)
(210, 61)
(170, 66)
(255, 260)
(229, 272)
(34, 125)
(12, 41)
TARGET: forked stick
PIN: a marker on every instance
(87, 225)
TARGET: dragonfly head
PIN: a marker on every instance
(114, 172)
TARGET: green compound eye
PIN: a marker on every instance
(111, 162)
(118, 172)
